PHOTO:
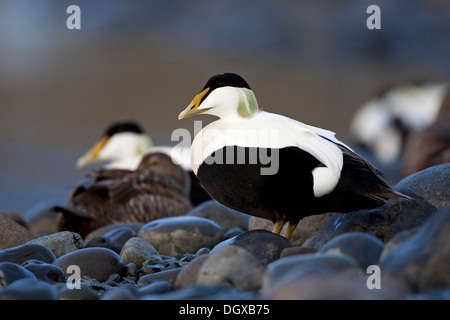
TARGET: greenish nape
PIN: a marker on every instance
(247, 103)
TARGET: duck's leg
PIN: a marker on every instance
(278, 226)
(290, 229)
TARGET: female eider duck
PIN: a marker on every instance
(158, 188)
(302, 170)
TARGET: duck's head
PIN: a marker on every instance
(120, 141)
(225, 95)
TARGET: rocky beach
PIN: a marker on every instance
(398, 251)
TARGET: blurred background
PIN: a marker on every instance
(314, 61)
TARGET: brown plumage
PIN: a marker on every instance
(158, 188)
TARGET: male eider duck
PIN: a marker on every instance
(158, 188)
(124, 143)
(302, 170)
(383, 123)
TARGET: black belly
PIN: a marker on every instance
(233, 176)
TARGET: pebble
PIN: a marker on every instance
(264, 245)
(165, 275)
(184, 234)
(13, 234)
(10, 272)
(364, 248)
(232, 266)
(323, 265)
(25, 252)
(136, 250)
(205, 292)
(189, 274)
(97, 263)
(44, 271)
(60, 242)
(85, 292)
(135, 226)
(129, 292)
(113, 239)
(29, 289)
(422, 261)
(432, 183)
(225, 217)
(383, 222)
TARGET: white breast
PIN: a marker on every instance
(268, 130)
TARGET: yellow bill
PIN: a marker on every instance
(91, 156)
(192, 108)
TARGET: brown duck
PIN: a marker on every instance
(158, 188)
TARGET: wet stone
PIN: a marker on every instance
(185, 234)
(97, 263)
(421, 262)
(232, 266)
(114, 239)
(323, 265)
(25, 252)
(225, 217)
(85, 292)
(60, 242)
(364, 248)
(13, 234)
(136, 250)
(10, 272)
(432, 183)
(383, 222)
(44, 271)
(28, 289)
(265, 245)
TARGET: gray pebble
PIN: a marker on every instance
(265, 245)
(383, 222)
(25, 252)
(137, 250)
(232, 266)
(432, 183)
(28, 289)
(364, 248)
(44, 271)
(185, 234)
(13, 234)
(60, 242)
(225, 217)
(97, 263)
(11, 272)
(422, 261)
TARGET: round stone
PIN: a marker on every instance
(29, 289)
(10, 272)
(97, 263)
(432, 183)
(265, 245)
(232, 266)
(60, 242)
(136, 250)
(225, 217)
(13, 234)
(25, 252)
(184, 234)
(44, 271)
(364, 248)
